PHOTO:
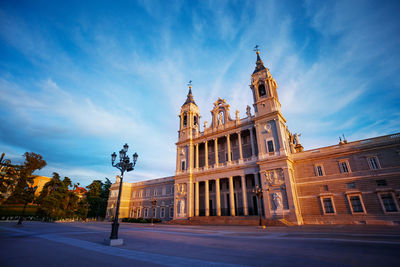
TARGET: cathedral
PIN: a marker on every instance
(238, 170)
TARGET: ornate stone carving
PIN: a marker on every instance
(219, 102)
(267, 127)
(274, 177)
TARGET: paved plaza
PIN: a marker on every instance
(81, 244)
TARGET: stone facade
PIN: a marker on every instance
(136, 199)
(219, 169)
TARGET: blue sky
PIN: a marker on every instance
(78, 80)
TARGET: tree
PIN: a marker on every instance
(97, 197)
(56, 200)
(8, 177)
(24, 177)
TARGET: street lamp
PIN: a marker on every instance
(153, 204)
(259, 192)
(124, 165)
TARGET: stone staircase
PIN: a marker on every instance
(230, 220)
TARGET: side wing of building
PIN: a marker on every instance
(357, 182)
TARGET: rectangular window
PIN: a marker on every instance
(388, 202)
(162, 212)
(171, 212)
(154, 212)
(328, 205)
(356, 204)
(381, 182)
(146, 212)
(351, 186)
(183, 166)
(373, 163)
(319, 170)
(270, 146)
(344, 167)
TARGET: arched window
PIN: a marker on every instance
(195, 120)
(261, 90)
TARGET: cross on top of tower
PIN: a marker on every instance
(256, 49)
(189, 98)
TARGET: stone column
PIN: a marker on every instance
(244, 195)
(190, 199)
(291, 192)
(228, 144)
(240, 146)
(191, 157)
(206, 154)
(197, 199)
(207, 198)
(252, 142)
(218, 197)
(231, 196)
(178, 159)
(197, 156)
(176, 200)
(216, 151)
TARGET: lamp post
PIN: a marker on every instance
(124, 165)
(153, 204)
(258, 191)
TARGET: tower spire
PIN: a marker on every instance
(189, 98)
(259, 62)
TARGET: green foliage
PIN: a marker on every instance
(140, 220)
(97, 197)
(21, 178)
(56, 200)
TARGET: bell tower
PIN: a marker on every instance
(264, 86)
(269, 122)
(188, 130)
(189, 118)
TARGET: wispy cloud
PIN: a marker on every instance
(77, 88)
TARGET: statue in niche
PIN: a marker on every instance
(182, 207)
(220, 118)
(277, 198)
(248, 111)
